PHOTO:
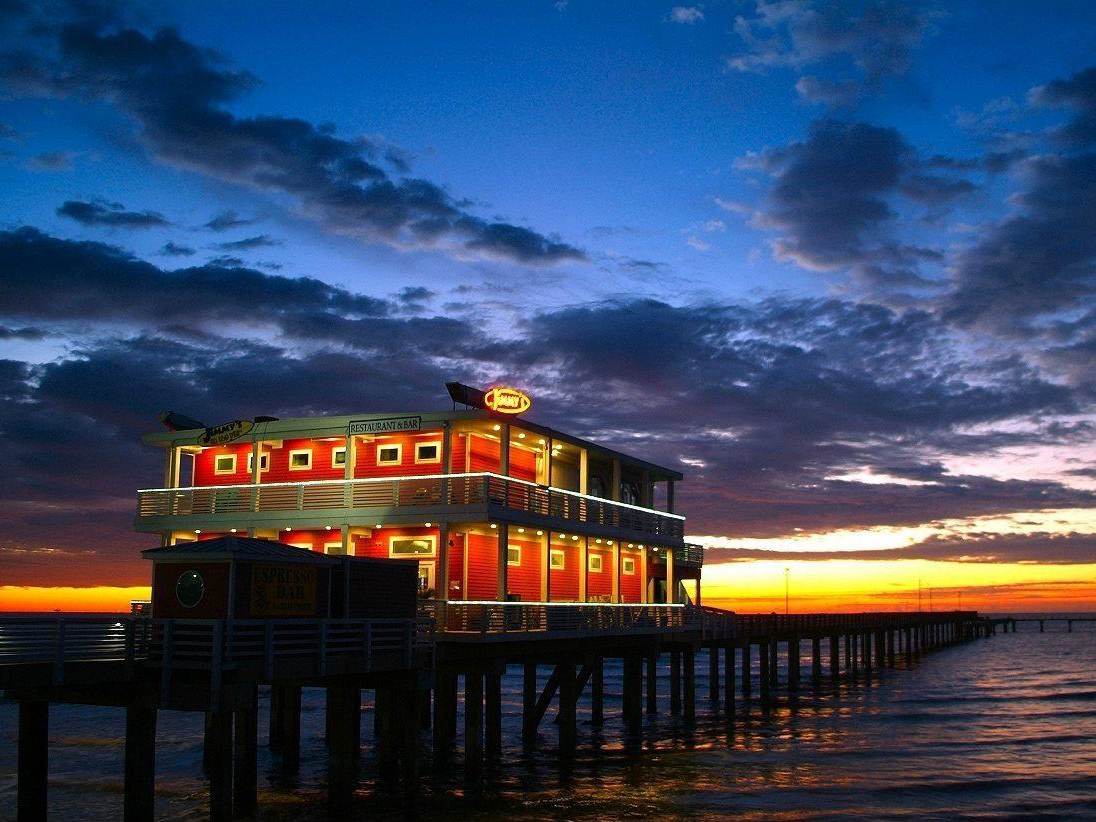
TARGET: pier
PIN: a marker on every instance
(421, 670)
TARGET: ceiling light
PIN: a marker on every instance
(540, 533)
(496, 427)
(521, 435)
(521, 530)
(493, 525)
(426, 524)
(197, 530)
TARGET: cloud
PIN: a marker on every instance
(177, 92)
(1077, 93)
(687, 15)
(226, 220)
(52, 161)
(114, 215)
(877, 38)
(249, 243)
(172, 249)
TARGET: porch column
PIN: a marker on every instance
(171, 460)
(643, 582)
(548, 463)
(583, 568)
(504, 542)
(583, 471)
(504, 450)
(546, 568)
(616, 570)
(670, 575)
(441, 567)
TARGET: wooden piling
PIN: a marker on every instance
(728, 680)
(568, 713)
(689, 660)
(245, 744)
(713, 675)
(529, 703)
(835, 657)
(675, 682)
(746, 674)
(597, 692)
(652, 683)
(140, 762)
(631, 695)
(493, 715)
(473, 724)
(793, 664)
(816, 660)
(33, 767)
(764, 678)
(218, 753)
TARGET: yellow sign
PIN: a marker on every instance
(283, 590)
(505, 400)
(225, 432)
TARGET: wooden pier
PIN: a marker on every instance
(421, 670)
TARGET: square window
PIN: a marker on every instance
(389, 454)
(332, 547)
(411, 546)
(224, 464)
(513, 555)
(264, 461)
(556, 560)
(427, 452)
(628, 565)
(300, 460)
(338, 457)
(594, 563)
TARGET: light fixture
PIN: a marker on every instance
(197, 530)
(426, 524)
(631, 545)
(521, 530)
(493, 525)
(521, 435)
(232, 530)
(288, 528)
(542, 442)
(598, 541)
(379, 525)
(540, 533)
(496, 427)
(574, 538)
(563, 536)
(610, 542)
(327, 527)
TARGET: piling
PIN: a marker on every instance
(746, 681)
(713, 675)
(728, 679)
(140, 762)
(473, 724)
(33, 764)
(675, 682)
(568, 699)
(652, 683)
(816, 661)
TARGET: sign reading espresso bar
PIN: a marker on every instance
(388, 425)
(283, 590)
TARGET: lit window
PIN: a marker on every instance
(628, 565)
(224, 464)
(427, 452)
(411, 546)
(513, 555)
(594, 563)
(264, 462)
(300, 460)
(338, 457)
(389, 454)
(556, 560)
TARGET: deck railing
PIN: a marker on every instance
(430, 491)
(499, 619)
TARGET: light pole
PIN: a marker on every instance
(787, 573)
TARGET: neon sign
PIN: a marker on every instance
(505, 400)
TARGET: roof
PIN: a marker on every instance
(236, 547)
(333, 426)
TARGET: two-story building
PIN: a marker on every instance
(492, 505)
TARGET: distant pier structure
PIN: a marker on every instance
(416, 555)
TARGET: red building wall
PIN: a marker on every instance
(631, 585)
(524, 579)
(601, 584)
(483, 563)
(564, 583)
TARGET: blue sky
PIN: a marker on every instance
(835, 258)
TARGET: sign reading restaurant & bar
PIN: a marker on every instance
(388, 425)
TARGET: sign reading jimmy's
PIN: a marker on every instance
(388, 425)
(283, 590)
(225, 432)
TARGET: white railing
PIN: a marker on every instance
(571, 618)
(433, 490)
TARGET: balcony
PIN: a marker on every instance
(459, 496)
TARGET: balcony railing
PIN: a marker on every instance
(498, 619)
(430, 491)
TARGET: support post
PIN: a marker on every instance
(713, 674)
(529, 703)
(445, 715)
(747, 682)
(675, 682)
(631, 697)
(568, 719)
(764, 650)
(493, 718)
(835, 657)
(689, 659)
(816, 660)
(218, 741)
(473, 725)
(728, 679)
(140, 778)
(245, 757)
(597, 692)
(652, 683)
(33, 764)
(793, 664)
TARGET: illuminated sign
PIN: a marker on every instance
(226, 432)
(505, 400)
(385, 426)
(283, 590)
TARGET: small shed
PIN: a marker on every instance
(241, 577)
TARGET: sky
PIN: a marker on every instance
(836, 262)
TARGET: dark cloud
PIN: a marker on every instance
(178, 91)
(172, 249)
(61, 280)
(248, 243)
(1077, 93)
(831, 202)
(226, 220)
(114, 215)
(26, 333)
(864, 42)
(52, 161)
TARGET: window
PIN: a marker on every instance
(264, 461)
(594, 564)
(427, 452)
(224, 464)
(629, 493)
(628, 565)
(411, 546)
(513, 555)
(332, 547)
(338, 457)
(389, 454)
(190, 588)
(556, 562)
(300, 460)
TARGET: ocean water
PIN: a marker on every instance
(999, 728)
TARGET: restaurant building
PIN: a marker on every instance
(494, 507)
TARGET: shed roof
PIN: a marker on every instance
(238, 547)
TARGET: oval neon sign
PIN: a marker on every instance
(505, 400)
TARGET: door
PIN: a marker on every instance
(426, 578)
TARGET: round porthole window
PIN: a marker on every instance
(189, 589)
